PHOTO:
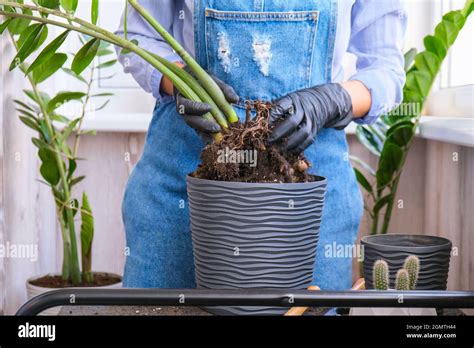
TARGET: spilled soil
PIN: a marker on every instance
(243, 155)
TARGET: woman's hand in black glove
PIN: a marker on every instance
(299, 116)
(193, 111)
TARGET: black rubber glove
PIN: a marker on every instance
(299, 116)
(193, 111)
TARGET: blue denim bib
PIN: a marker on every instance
(265, 50)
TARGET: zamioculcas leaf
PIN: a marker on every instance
(107, 64)
(390, 160)
(402, 134)
(18, 25)
(77, 180)
(43, 95)
(382, 202)
(48, 51)
(26, 33)
(85, 56)
(48, 68)
(72, 168)
(409, 58)
(5, 24)
(95, 11)
(29, 123)
(104, 52)
(447, 31)
(63, 98)
(369, 140)
(456, 18)
(24, 105)
(362, 180)
(39, 143)
(69, 6)
(419, 81)
(69, 129)
(37, 36)
(59, 118)
(102, 106)
(73, 74)
(428, 61)
(49, 171)
(53, 4)
(436, 45)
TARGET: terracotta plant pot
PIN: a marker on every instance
(34, 290)
(433, 252)
(248, 235)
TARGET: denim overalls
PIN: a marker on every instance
(264, 49)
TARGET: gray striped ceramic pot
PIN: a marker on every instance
(248, 235)
(434, 254)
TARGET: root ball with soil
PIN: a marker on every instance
(272, 164)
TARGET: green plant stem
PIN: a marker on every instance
(83, 114)
(207, 82)
(99, 33)
(389, 209)
(66, 271)
(375, 224)
(73, 267)
(467, 8)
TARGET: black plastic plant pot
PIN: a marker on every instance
(248, 235)
(433, 252)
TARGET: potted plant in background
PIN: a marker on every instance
(406, 279)
(390, 139)
(275, 221)
(59, 160)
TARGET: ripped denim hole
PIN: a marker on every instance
(262, 52)
(224, 54)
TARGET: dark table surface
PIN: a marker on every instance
(184, 311)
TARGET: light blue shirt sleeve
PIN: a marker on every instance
(145, 74)
(377, 34)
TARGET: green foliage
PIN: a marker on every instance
(391, 136)
(381, 275)
(87, 235)
(59, 160)
(203, 88)
(95, 11)
(49, 67)
(31, 39)
(69, 6)
(49, 51)
(53, 4)
(85, 56)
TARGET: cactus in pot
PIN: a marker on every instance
(381, 279)
(406, 277)
(412, 265)
(405, 280)
(402, 282)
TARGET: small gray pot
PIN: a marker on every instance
(248, 235)
(434, 254)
